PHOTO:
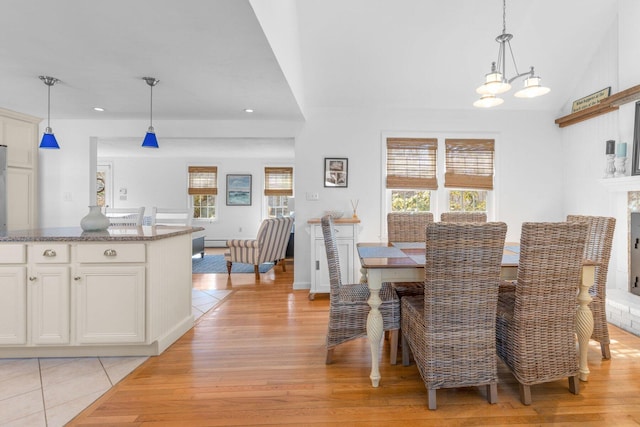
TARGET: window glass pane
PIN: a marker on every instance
(204, 206)
(410, 200)
(467, 201)
(277, 206)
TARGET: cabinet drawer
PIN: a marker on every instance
(49, 253)
(111, 252)
(13, 254)
(342, 231)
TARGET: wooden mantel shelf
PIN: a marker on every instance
(607, 105)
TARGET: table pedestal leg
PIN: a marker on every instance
(374, 329)
(584, 320)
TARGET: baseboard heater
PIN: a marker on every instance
(215, 243)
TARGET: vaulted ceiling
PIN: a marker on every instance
(214, 58)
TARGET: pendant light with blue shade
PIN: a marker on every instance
(150, 140)
(48, 138)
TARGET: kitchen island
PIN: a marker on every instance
(125, 291)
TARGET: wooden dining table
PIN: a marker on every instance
(404, 262)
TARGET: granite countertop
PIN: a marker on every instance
(76, 234)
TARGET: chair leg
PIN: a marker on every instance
(405, 350)
(432, 399)
(574, 384)
(329, 357)
(257, 271)
(393, 342)
(606, 353)
(525, 394)
(284, 268)
(229, 264)
(492, 392)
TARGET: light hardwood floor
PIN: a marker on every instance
(258, 359)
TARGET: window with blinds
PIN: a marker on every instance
(278, 181)
(411, 163)
(203, 189)
(469, 163)
(278, 189)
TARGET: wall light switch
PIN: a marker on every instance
(313, 196)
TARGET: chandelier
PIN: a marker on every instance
(496, 81)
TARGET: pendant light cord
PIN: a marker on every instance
(48, 106)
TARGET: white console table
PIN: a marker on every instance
(346, 230)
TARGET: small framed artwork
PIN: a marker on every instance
(238, 190)
(336, 172)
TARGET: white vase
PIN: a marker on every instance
(95, 220)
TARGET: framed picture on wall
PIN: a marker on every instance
(336, 172)
(238, 190)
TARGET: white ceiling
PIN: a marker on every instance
(213, 59)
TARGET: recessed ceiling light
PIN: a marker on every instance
(98, 108)
(248, 110)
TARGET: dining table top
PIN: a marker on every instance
(411, 254)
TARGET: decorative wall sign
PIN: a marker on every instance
(335, 172)
(590, 100)
(238, 190)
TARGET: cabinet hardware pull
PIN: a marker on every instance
(49, 253)
(32, 278)
(110, 252)
(76, 278)
(317, 265)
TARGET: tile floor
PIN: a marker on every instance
(49, 392)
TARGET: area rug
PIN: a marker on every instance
(217, 264)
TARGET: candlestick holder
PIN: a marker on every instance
(620, 166)
(610, 169)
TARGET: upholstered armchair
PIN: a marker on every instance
(270, 245)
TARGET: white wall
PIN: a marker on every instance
(65, 182)
(529, 164)
(162, 182)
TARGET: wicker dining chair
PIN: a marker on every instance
(450, 330)
(348, 307)
(407, 227)
(535, 324)
(598, 249)
(463, 217)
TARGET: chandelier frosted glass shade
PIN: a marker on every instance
(494, 84)
(49, 140)
(532, 88)
(488, 101)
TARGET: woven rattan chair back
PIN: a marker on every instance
(535, 331)
(463, 217)
(407, 226)
(451, 329)
(598, 249)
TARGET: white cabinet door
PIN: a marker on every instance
(13, 305)
(20, 138)
(321, 268)
(110, 304)
(49, 310)
(21, 194)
